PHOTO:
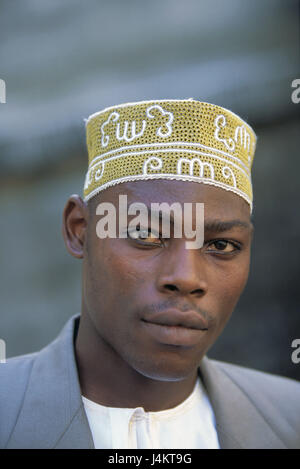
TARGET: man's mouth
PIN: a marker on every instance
(175, 327)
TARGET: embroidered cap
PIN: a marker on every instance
(184, 139)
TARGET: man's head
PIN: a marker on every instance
(134, 285)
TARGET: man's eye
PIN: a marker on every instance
(222, 246)
(144, 235)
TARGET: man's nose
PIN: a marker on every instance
(183, 273)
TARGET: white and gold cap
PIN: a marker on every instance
(184, 139)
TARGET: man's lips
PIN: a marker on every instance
(188, 319)
(174, 327)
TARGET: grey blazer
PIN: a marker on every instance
(41, 405)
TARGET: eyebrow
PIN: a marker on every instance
(219, 226)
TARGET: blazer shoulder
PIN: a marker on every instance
(267, 391)
(14, 377)
(262, 378)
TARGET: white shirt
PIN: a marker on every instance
(189, 425)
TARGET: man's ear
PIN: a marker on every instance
(75, 219)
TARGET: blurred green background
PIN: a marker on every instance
(62, 61)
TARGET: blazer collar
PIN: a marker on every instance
(53, 393)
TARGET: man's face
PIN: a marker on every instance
(129, 284)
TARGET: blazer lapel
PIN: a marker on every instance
(238, 422)
(53, 393)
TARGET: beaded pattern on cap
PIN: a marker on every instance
(169, 139)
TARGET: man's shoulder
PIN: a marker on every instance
(262, 380)
(269, 393)
(234, 368)
(15, 371)
(14, 377)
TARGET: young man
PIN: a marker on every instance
(131, 371)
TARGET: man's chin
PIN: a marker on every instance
(166, 372)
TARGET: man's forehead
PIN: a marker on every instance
(219, 206)
(166, 191)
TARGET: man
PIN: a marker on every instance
(131, 371)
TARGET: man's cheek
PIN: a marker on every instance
(222, 305)
(128, 278)
(233, 284)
